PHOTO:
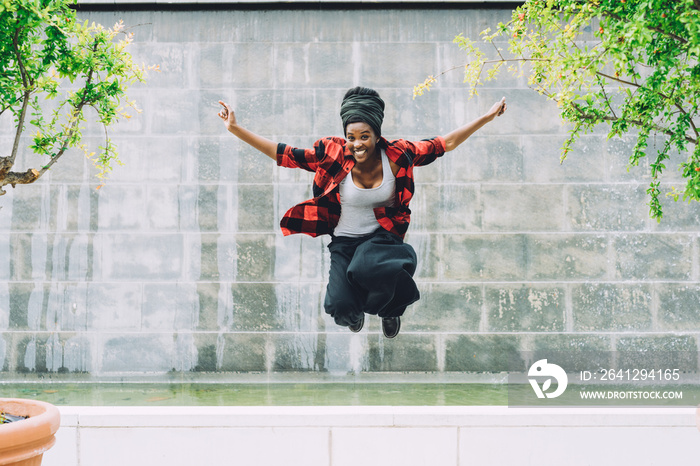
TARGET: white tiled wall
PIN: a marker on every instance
(368, 436)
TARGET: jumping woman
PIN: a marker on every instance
(362, 188)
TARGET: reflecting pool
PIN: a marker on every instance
(260, 394)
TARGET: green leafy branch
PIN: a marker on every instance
(629, 64)
(44, 54)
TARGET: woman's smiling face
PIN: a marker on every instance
(362, 141)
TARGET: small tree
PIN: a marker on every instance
(630, 64)
(45, 53)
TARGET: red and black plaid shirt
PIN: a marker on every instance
(331, 161)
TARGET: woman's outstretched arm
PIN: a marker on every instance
(458, 136)
(262, 144)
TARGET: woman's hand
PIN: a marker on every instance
(497, 109)
(228, 116)
(458, 136)
(264, 145)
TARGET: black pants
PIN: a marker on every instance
(372, 274)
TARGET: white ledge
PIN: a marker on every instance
(373, 435)
(378, 416)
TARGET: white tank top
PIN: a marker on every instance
(357, 204)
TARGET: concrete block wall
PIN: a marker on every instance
(177, 265)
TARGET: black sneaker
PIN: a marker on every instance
(391, 326)
(358, 326)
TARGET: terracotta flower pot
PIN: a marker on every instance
(23, 443)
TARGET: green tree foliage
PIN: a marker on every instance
(629, 64)
(47, 54)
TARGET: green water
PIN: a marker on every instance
(318, 394)
(251, 394)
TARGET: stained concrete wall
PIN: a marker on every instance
(177, 266)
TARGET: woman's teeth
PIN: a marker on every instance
(360, 152)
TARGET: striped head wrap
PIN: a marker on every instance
(363, 108)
